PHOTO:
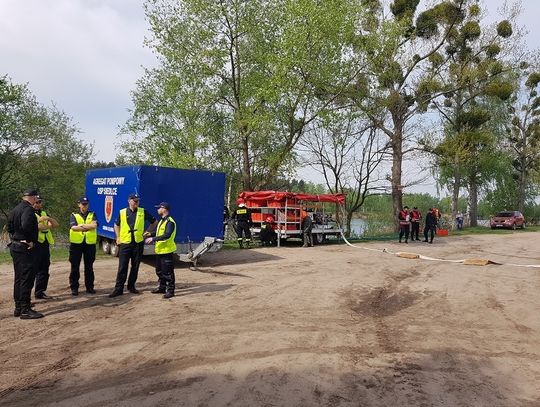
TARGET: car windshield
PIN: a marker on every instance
(505, 214)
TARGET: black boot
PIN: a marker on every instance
(158, 290)
(115, 293)
(18, 309)
(29, 313)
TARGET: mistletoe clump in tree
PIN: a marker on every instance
(477, 80)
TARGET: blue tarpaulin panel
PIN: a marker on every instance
(196, 197)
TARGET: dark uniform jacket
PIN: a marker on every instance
(431, 220)
(242, 215)
(22, 223)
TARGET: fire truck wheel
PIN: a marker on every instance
(318, 238)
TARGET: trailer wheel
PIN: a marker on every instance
(106, 246)
(115, 250)
(318, 238)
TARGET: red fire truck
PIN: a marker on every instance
(284, 210)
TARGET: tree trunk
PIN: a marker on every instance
(348, 230)
(456, 185)
(473, 201)
(246, 165)
(397, 159)
(522, 186)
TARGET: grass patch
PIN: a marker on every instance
(57, 254)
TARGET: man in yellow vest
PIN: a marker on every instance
(82, 239)
(163, 237)
(42, 254)
(129, 230)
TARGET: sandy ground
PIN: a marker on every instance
(324, 326)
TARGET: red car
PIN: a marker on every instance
(507, 219)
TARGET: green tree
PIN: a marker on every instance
(39, 148)
(477, 81)
(401, 52)
(238, 82)
(524, 133)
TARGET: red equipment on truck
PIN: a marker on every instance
(285, 208)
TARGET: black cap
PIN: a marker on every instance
(405, 207)
(415, 207)
(83, 199)
(163, 205)
(30, 192)
(134, 196)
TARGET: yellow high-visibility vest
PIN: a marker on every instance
(138, 227)
(90, 236)
(169, 245)
(44, 236)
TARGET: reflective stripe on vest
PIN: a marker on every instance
(42, 235)
(89, 236)
(138, 226)
(165, 246)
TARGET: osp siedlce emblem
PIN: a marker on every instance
(108, 207)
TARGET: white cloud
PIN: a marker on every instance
(85, 55)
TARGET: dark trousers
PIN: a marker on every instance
(128, 252)
(307, 237)
(242, 228)
(415, 230)
(431, 230)
(25, 273)
(404, 231)
(165, 271)
(88, 253)
(42, 260)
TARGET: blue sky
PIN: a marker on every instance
(85, 56)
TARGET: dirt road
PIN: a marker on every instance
(324, 326)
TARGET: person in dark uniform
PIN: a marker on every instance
(243, 222)
(42, 249)
(82, 245)
(431, 225)
(129, 230)
(163, 237)
(416, 216)
(404, 219)
(267, 234)
(307, 228)
(23, 233)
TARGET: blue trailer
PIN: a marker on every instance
(195, 197)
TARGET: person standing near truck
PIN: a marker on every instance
(82, 245)
(307, 229)
(129, 230)
(243, 222)
(163, 237)
(23, 233)
(42, 249)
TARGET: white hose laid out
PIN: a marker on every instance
(477, 262)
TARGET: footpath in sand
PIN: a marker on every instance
(324, 326)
